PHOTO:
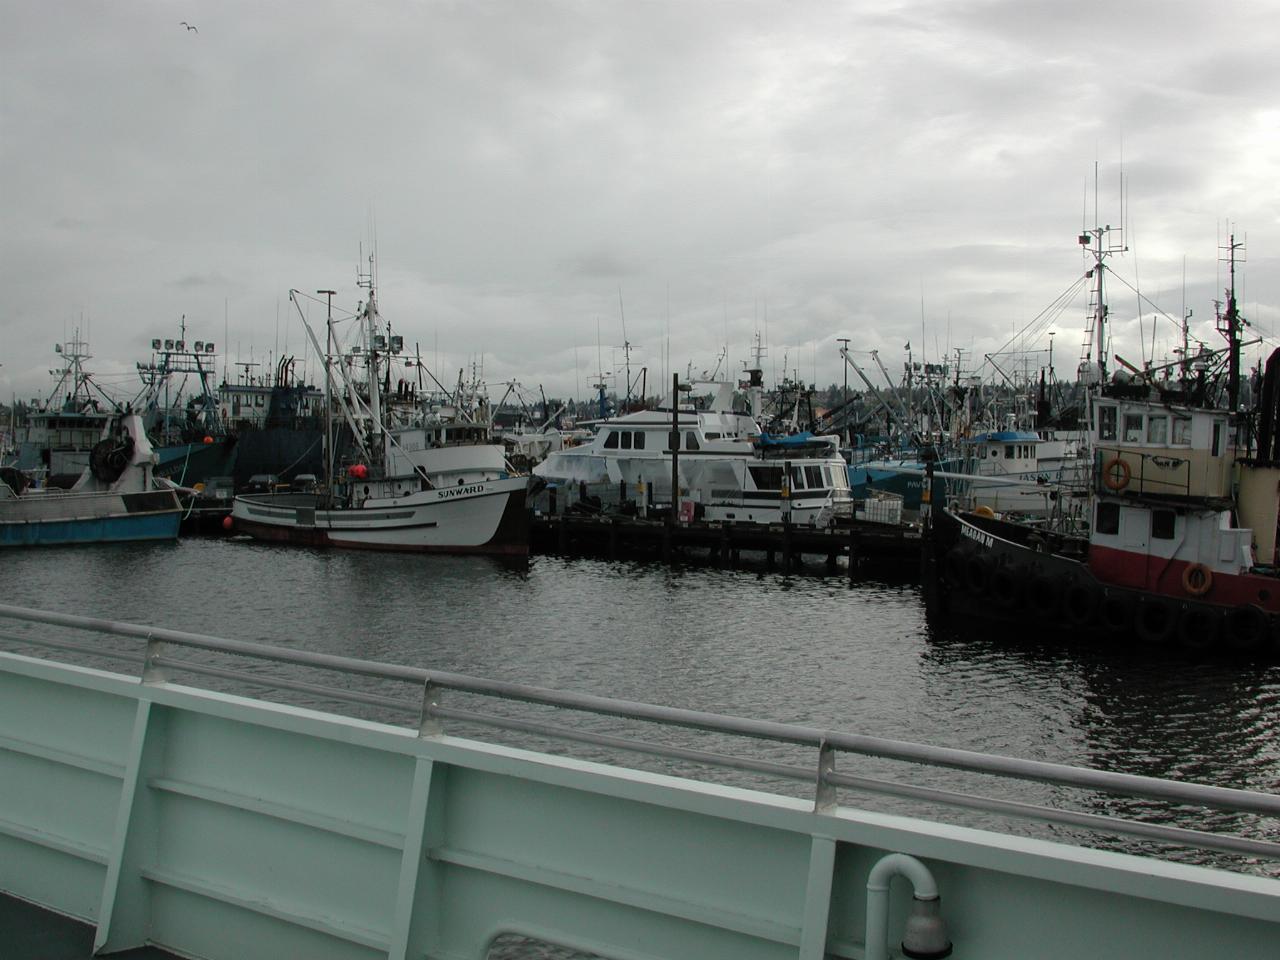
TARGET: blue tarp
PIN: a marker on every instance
(786, 440)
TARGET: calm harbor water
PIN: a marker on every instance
(808, 649)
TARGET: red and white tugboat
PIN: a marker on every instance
(1181, 547)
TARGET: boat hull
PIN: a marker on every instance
(49, 519)
(487, 517)
(989, 571)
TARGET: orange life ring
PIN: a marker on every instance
(1116, 474)
(1197, 579)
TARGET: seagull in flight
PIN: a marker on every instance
(188, 26)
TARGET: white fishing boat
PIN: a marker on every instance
(727, 468)
(424, 478)
(116, 497)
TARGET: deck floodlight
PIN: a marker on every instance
(379, 342)
(208, 348)
(181, 345)
(199, 346)
(397, 344)
(168, 344)
(155, 344)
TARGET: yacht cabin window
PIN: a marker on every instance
(611, 441)
(639, 444)
(766, 478)
(1133, 428)
(691, 440)
(1008, 451)
(626, 439)
(1106, 423)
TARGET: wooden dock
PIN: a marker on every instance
(868, 549)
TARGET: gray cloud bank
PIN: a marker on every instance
(809, 170)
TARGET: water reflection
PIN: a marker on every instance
(817, 650)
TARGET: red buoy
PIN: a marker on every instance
(357, 471)
(208, 439)
(226, 523)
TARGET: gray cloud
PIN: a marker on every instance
(813, 170)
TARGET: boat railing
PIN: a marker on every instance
(159, 655)
(1163, 472)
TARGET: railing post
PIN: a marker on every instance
(429, 724)
(824, 800)
(152, 672)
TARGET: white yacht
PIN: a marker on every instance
(728, 469)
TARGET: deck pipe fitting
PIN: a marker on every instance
(925, 936)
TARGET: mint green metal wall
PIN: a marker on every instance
(223, 827)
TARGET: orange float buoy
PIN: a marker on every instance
(227, 523)
(208, 439)
(358, 471)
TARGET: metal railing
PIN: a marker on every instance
(1170, 474)
(429, 714)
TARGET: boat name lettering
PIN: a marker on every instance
(986, 539)
(459, 491)
(1167, 463)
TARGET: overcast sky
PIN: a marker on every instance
(887, 172)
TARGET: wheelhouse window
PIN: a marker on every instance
(691, 440)
(639, 444)
(813, 477)
(1158, 430)
(1133, 428)
(1108, 518)
(611, 441)
(1162, 524)
(625, 437)
(1106, 423)
(1182, 431)
(1008, 451)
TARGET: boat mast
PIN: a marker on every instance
(367, 280)
(328, 391)
(1229, 327)
(755, 380)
